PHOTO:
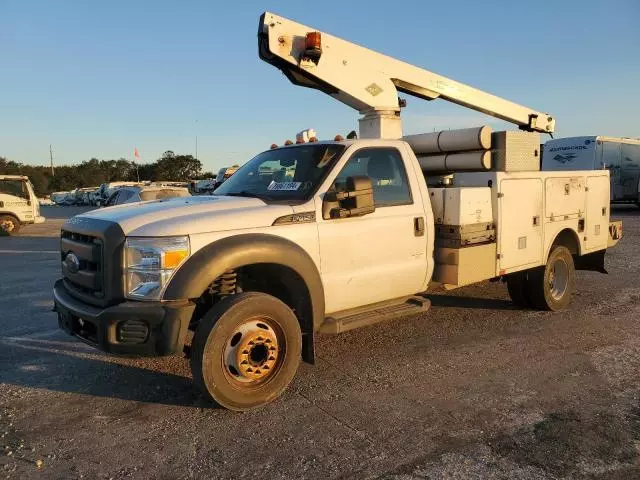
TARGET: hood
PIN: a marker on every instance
(190, 215)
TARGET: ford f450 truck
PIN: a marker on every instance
(327, 236)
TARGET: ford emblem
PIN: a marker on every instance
(72, 262)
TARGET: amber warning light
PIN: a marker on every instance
(313, 45)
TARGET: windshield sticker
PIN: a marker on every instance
(284, 186)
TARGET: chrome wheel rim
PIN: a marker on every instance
(558, 279)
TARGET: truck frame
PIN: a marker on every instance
(328, 236)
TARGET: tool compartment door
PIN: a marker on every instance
(597, 214)
(520, 230)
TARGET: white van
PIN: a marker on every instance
(18, 203)
(621, 156)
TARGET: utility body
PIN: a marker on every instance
(328, 236)
(19, 204)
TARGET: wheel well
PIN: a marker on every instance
(569, 239)
(274, 279)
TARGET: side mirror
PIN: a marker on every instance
(354, 201)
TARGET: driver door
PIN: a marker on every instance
(379, 256)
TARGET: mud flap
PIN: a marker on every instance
(308, 348)
(592, 261)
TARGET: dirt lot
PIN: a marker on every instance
(473, 389)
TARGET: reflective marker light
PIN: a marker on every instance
(288, 142)
(273, 145)
(338, 138)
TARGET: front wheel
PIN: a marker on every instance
(246, 350)
(9, 224)
(551, 286)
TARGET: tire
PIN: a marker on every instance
(551, 286)
(518, 289)
(246, 351)
(9, 224)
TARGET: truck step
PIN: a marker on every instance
(372, 314)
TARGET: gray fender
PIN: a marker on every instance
(208, 263)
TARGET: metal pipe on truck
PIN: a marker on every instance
(477, 138)
(456, 162)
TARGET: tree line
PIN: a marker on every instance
(91, 173)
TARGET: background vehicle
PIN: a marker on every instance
(223, 174)
(621, 156)
(18, 203)
(144, 193)
(325, 237)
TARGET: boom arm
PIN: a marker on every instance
(369, 81)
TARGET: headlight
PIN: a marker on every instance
(150, 263)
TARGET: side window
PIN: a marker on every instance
(388, 176)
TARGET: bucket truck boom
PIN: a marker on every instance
(369, 81)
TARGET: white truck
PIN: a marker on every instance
(19, 204)
(327, 236)
(621, 156)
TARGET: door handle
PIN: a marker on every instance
(418, 226)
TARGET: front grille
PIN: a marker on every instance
(82, 261)
(132, 331)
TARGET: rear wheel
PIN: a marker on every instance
(246, 350)
(552, 285)
(517, 286)
(9, 224)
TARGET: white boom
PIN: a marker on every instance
(369, 81)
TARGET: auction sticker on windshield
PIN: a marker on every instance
(288, 186)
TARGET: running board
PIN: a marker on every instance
(371, 314)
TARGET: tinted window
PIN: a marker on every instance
(385, 168)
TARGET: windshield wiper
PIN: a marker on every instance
(246, 193)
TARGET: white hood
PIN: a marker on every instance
(191, 215)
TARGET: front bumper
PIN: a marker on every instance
(129, 328)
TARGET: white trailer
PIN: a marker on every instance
(621, 156)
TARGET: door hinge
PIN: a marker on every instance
(499, 256)
(500, 194)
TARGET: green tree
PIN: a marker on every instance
(177, 167)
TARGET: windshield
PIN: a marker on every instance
(16, 188)
(289, 173)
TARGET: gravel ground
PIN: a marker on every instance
(473, 389)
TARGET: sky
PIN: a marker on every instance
(98, 79)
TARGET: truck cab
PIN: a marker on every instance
(18, 204)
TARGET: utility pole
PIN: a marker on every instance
(196, 129)
(53, 173)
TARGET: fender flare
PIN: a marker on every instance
(208, 263)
